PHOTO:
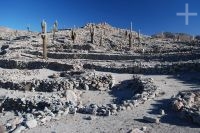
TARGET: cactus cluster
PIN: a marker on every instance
(128, 34)
(44, 38)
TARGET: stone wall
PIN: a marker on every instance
(104, 56)
(19, 64)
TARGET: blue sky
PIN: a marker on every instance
(151, 16)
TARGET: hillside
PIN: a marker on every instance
(119, 81)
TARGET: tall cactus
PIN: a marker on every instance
(92, 33)
(44, 27)
(54, 31)
(130, 36)
(130, 39)
(28, 28)
(139, 41)
(56, 26)
(101, 39)
(44, 38)
(73, 35)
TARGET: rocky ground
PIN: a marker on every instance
(107, 86)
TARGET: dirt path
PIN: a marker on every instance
(126, 120)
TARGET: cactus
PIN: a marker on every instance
(28, 29)
(101, 39)
(56, 26)
(126, 33)
(73, 36)
(130, 39)
(16, 33)
(130, 36)
(178, 38)
(131, 26)
(139, 37)
(104, 32)
(54, 31)
(44, 27)
(162, 35)
(92, 34)
(44, 39)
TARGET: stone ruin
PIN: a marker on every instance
(42, 108)
(39, 90)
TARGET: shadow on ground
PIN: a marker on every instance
(171, 117)
(123, 91)
(191, 79)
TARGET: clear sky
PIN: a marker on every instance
(151, 16)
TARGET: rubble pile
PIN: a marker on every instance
(187, 103)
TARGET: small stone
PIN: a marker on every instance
(66, 112)
(136, 130)
(54, 75)
(108, 113)
(113, 106)
(162, 112)
(177, 105)
(151, 119)
(144, 99)
(51, 114)
(33, 89)
(31, 123)
(91, 117)
(128, 108)
(86, 87)
(131, 105)
(158, 94)
(72, 110)
(136, 104)
(113, 112)
(46, 119)
(144, 128)
(123, 108)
